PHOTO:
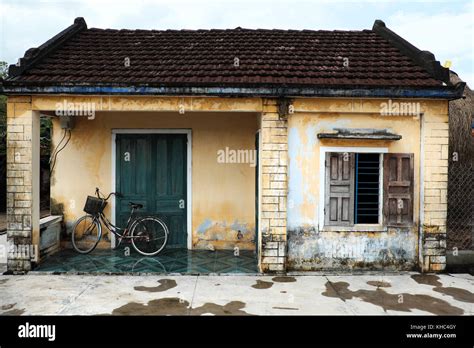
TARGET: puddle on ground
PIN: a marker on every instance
(231, 308)
(6, 307)
(261, 284)
(462, 295)
(162, 306)
(3, 281)
(388, 301)
(9, 310)
(284, 279)
(458, 294)
(427, 279)
(14, 312)
(165, 284)
(176, 306)
(379, 284)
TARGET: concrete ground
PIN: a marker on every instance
(379, 294)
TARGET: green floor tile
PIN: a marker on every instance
(170, 260)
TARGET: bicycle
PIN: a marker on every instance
(148, 234)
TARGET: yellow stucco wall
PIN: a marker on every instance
(223, 195)
(309, 246)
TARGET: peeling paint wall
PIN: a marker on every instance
(310, 248)
(223, 194)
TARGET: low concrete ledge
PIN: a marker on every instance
(49, 220)
(360, 133)
(50, 230)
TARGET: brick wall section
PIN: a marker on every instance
(19, 181)
(274, 162)
(436, 135)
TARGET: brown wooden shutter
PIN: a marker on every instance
(398, 189)
(339, 206)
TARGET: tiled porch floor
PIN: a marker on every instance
(168, 261)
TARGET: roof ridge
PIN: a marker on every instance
(238, 29)
(33, 55)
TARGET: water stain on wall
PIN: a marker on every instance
(165, 284)
(403, 302)
(224, 235)
(313, 250)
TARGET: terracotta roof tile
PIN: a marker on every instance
(209, 57)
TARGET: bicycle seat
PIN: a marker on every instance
(136, 205)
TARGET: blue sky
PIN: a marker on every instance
(442, 27)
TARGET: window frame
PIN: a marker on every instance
(322, 189)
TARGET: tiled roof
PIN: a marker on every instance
(232, 57)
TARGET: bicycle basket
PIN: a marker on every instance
(94, 205)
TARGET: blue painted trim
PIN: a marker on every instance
(389, 92)
(356, 184)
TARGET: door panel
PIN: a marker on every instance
(154, 174)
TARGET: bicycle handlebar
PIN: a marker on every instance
(98, 194)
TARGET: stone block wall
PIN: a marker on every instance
(22, 183)
(274, 169)
(435, 168)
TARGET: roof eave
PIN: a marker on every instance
(442, 92)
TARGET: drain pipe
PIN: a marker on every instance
(421, 212)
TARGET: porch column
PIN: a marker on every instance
(274, 158)
(435, 176)
(23, 181)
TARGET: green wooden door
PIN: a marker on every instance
(151, 170)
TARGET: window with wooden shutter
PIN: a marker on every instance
(398, 189)
(339, 206)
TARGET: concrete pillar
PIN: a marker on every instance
(435, 190)
(23, 184)
(273, 188)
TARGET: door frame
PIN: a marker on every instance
(258, 212)
(188, 133)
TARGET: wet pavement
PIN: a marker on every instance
(374, 294)
(168, 261)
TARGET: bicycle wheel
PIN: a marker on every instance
(86, 234)
(149, 235)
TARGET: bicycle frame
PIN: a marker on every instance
(131, 221)
(115, 229)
